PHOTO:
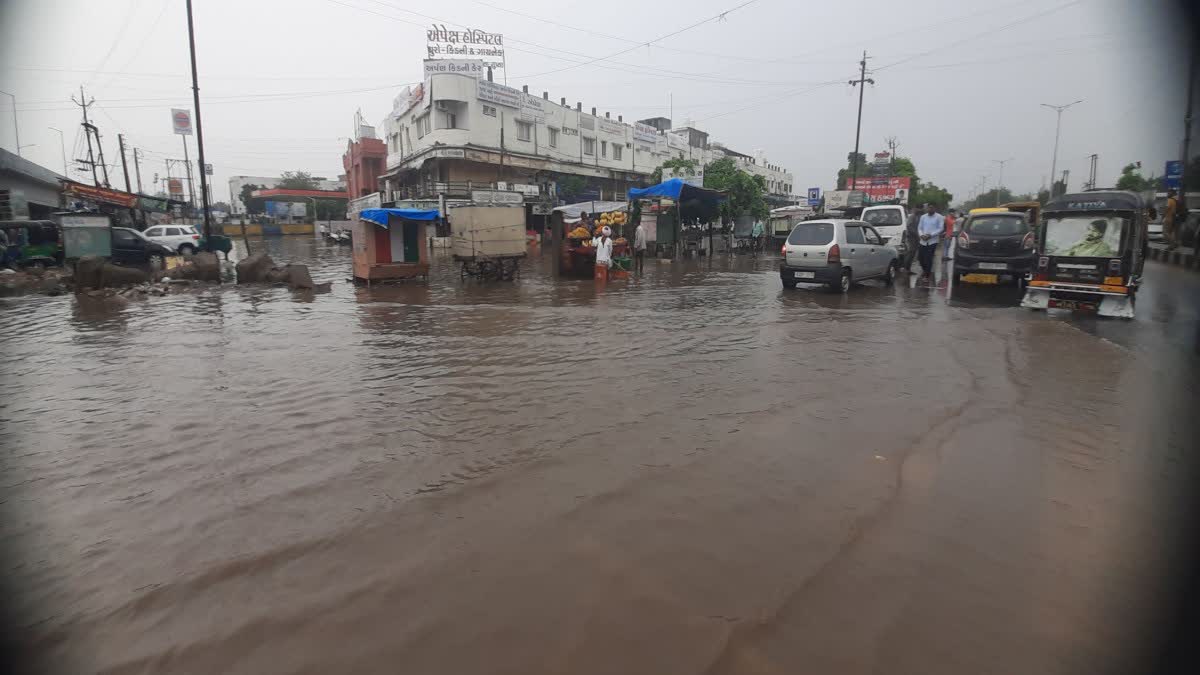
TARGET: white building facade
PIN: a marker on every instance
(456, 132)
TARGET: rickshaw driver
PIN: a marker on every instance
(1093, 244)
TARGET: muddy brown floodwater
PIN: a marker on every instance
(693, 472)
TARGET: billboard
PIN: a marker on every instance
(693, 177)
(175, 188)
(881, 188)
(469, 67)
(645, 133)
(471, 43)
(181, 120)
(499, 94)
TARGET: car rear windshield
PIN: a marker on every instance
(997, 226)
(884, 217)
(811, 234)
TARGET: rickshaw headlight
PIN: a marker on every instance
(1044, 262)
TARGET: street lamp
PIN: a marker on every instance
(63, 147)
(1057, 127)
(1000, 177)
(16, 128)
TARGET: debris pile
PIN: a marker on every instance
(260, 268)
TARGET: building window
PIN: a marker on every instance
(589, 146)
(604, 148)
(490, 111)
(422, 125)
(524, 131)
(553, 137)
(451, 121)
(617, 151)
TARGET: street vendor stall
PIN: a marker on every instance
(577, 255)
(387, 244)
(677, 202)
(488, 239)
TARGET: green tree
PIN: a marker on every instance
(298, 180)
(744, 192)
(1131, 179)
(929, 193)
(989, 199)
(903, 166)
(569, 187)
(685, 166)
(329, 209)
(254, 205)
(843, 175)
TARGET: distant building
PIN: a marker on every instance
(455, 133)
(364, 160)
(27, 190)
(268, 182)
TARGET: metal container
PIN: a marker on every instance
(86, 234)
(487, 231)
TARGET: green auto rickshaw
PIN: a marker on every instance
(33, 243)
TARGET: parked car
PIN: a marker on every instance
(182, 238)
(130, 247)
(838, 253)
(888, 220)
(994, 244)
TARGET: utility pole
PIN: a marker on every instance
(87, 129)
(16, 127)
(1066, 172)
(1091, 184)
(200, 127)
(124, 164)
(861, 83)
(1187, 126)
(1057, 127)
(1000, 177)
(137, 168)
(890, 141)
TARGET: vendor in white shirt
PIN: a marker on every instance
(604, 248)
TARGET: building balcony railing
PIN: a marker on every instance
(453, 189)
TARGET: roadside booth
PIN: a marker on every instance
(677, 202)
(388, 244)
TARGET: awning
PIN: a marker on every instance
(572, 212)
(676, 189)
(383, 216)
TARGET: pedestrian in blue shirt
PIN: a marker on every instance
(930, 229)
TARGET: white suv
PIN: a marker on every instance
(184, 239)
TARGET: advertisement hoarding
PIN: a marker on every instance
(175, 188)
(878, 189)
(471, 43)
(645, 133)
(610, 127)
(499, 94)
(696, 177)
(181, 120)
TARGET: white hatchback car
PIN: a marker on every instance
(184, 239)
(837, 252)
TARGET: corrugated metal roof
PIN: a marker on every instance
(10, 161)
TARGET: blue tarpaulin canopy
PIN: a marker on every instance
(382, 216)
(675, 189)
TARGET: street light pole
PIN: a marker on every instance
(199, 130)
(1000, 177)
(16, 127)
(62, 145)
(1057, 127)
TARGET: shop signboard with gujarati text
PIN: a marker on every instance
(497, 197)
(498, 94)
(181, 120)
(471, 43)
(610, 127)
(532, 109)
(645, 133)
(471, 68)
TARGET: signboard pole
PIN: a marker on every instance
(199, 131)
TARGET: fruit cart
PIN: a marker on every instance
(578, 256)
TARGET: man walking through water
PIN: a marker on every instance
(910, 238)
(1171, 221)
(639, 248)
(930, 229)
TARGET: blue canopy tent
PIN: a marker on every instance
(691, 203)
(382, 216)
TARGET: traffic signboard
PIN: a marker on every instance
(814, 197)
(1174, 174)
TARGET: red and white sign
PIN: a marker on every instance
(882, 188)
(182, 120)
(175, 188)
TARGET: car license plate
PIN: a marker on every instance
(981, 278)
(993, 266)
(803, 275)
(1072, 304)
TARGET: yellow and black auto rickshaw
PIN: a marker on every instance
(1090, 253)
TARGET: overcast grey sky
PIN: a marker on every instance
(958, 82)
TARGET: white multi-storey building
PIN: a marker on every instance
(454, 133)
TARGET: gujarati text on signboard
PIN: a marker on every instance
(471, 43)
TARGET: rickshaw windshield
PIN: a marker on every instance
(1084, 236)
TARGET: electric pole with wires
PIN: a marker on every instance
(861, 83)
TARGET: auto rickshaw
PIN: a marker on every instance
(1032, 210)
(39, 242)
(1090, 253)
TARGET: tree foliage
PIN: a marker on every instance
(843, 175)
(328, 209)
(744, 191)
(1132, 179)
(254, 205)
(569, 187)
(993, 197)
(929, 193)
(298, 180)
(685, 166)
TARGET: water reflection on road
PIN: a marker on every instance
(692, 471)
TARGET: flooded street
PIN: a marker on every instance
(692, 472)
